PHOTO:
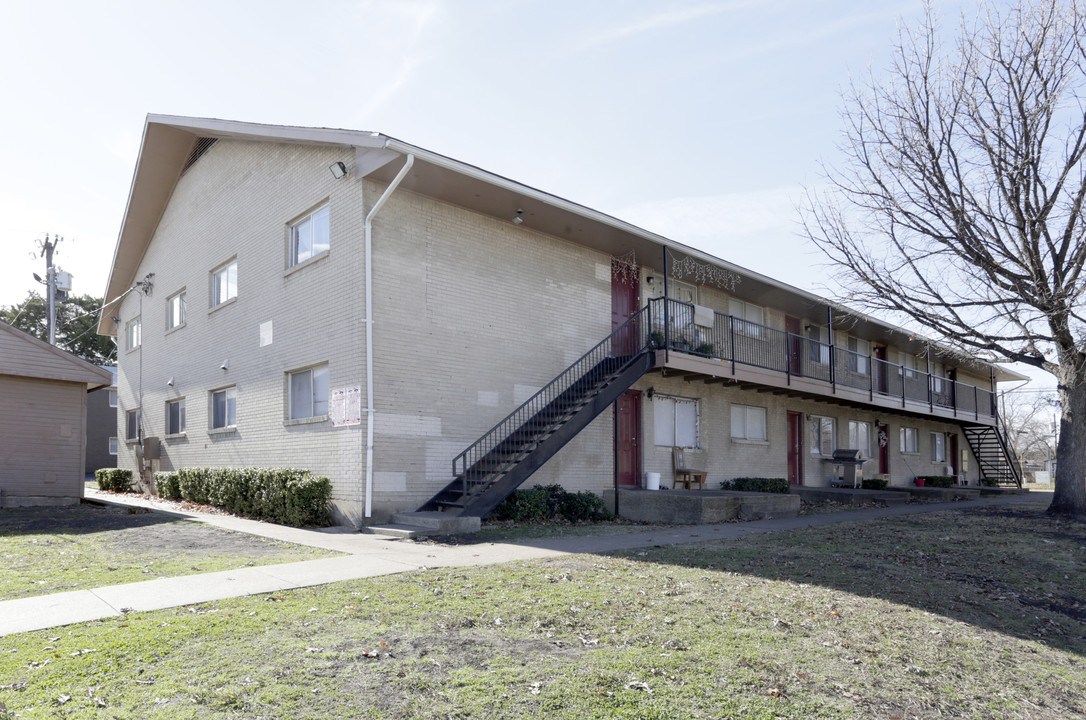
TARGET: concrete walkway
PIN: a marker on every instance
(372, 556)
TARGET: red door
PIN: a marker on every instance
(625, 301)
(628, 438)
(795, 344)
(795, 448)
(883, 434)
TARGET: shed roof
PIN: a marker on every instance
(24, 355)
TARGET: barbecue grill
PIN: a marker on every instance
(847, 467)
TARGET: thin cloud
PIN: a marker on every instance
(660, 21)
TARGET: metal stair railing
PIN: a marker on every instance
(624, 345)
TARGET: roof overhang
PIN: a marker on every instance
(169, 140)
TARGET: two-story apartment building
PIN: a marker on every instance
(367, 309)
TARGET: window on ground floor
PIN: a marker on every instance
(224, 404)
(859, 437)
(132, 425)
(823, 432)
(938, 447)
(910, 438)
(675, 421)
(113, 446)
(175, 417)
(309, 393)
(748, 422)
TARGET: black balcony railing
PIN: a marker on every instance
(741, 342)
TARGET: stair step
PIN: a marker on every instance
(398, 530)
(438, 523)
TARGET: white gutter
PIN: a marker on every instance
(369, 327)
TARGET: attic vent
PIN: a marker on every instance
(202, 146)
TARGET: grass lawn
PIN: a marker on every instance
(976, 614)
(54, 549)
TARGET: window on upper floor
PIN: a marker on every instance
(749, 318)
(859, 355)
(133, 334)
(910, 439)
(113, 446)
(175, 417)
(748, 422)
(818, 344)
(823, 435)
(309, 236)
(859, 437)
(175, 310)
(309, 393)
(907, 361)
(675, 421)
(224, 283)
(112, 398)
(132, 425)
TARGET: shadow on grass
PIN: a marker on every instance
(1008, 569)
(83, 519)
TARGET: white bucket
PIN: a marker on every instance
(652, 481)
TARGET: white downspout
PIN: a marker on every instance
(369, 327)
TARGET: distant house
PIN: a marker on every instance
(431, 335)
(43, 410)
(102, 425)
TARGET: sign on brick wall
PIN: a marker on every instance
(346, 406)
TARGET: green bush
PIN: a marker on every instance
(113, 479)
(989, 482)
(167, 485)
(550, 502)
(762, 485)
(938, 481)
(874, 483)
(287, 496)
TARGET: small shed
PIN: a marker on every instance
(43, 415)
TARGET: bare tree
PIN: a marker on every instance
(1029, 419)
(960, 205)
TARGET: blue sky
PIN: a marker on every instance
(702, 121)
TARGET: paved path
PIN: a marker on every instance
(374, 555)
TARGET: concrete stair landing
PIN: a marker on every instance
(422, 524)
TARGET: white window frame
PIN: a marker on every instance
(133, 333)
(859, 355)
(909, 441)
(859, 437)
(132, 420)
(114, 445)
(818, 344)
(113, 397)
(309, 224)
(744, 417)
(751, 317)
(179, 403)
(230, 408)
(938, 447)
(676, 422)
(823, 428)
(220, 283)
(311, 401)
(176, 310)
(907, 362)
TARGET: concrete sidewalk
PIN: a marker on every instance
(374, 555)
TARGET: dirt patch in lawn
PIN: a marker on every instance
(54, 549)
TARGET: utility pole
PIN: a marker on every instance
(47, 248)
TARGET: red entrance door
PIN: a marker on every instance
(795, 448)
(628, 438)
(625, 301)
(795, 344)
(883, 433)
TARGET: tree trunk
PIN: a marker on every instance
(1069, 497)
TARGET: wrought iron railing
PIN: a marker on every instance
(611, 356)
(741, 342)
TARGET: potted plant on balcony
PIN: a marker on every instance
(656, 340)
(704, 348)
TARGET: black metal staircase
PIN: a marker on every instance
(492, 467)
(995, 455)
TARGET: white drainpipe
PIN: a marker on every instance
(369, 328)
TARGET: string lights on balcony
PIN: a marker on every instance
(701, 273)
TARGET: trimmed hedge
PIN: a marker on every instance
(167, 486)
(549, 502)
(288, 496)
(762, 485)
(938, 481)
(113, 479)
(874, 483)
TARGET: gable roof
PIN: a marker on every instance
(24, 355)
(169, 141)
